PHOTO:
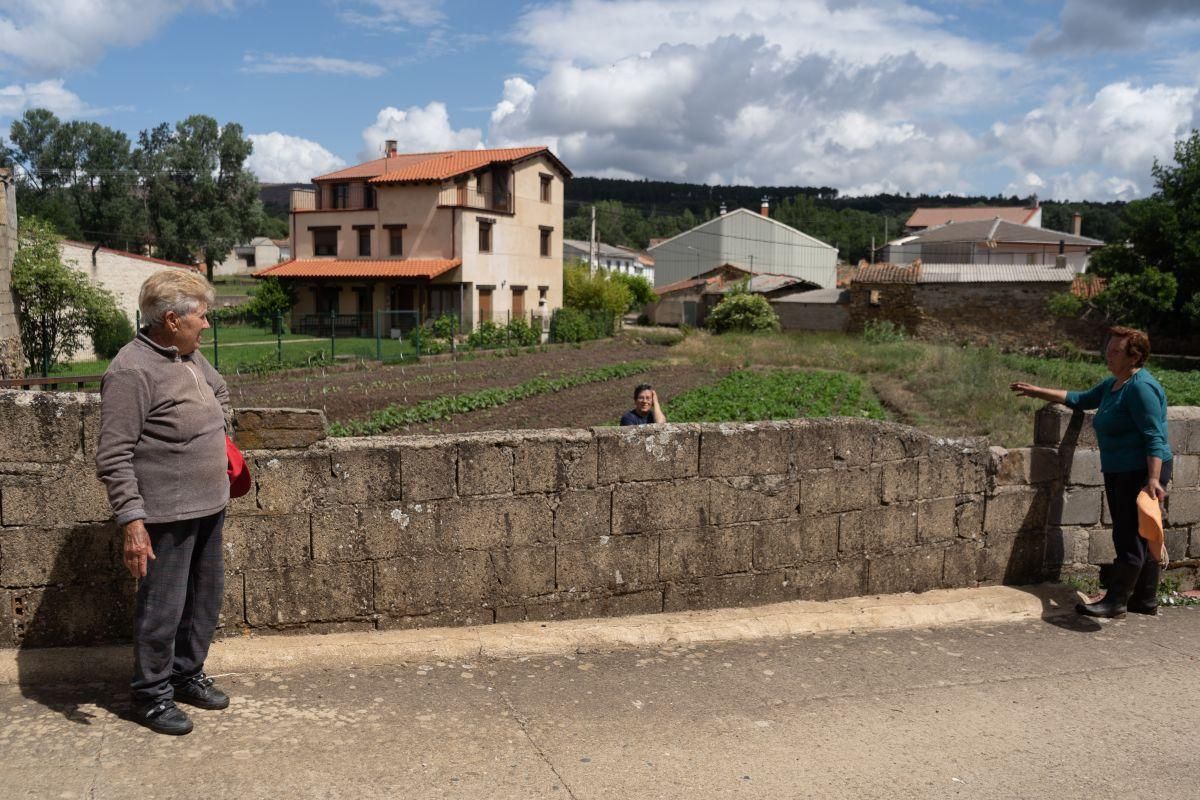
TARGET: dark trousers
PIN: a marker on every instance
(1121, 489)
(178, 603)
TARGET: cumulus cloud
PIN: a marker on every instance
(16, 98)
(279, 158)
(1088, 25)
(282, 65)
(417, 129)
(1119, 130)
(50, 36)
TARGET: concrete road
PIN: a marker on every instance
(1061, 708)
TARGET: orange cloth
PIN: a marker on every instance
(1150, 526)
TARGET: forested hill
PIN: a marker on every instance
(631, 212)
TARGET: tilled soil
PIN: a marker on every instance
(579, 407)
(350, 394)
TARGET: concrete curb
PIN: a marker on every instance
(337, 650)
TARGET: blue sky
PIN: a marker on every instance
(1068, 98)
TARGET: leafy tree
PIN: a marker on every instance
(269, 299)
(57, 306)
(200, 198)
(640, 290)
(1140, 299)
(742, 311)
(589, 290)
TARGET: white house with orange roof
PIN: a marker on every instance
(475, 233)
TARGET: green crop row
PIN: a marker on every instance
(444, 407)
(752, 395)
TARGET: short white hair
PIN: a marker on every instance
(178, 290)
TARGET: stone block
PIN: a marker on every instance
(762, 448)
(427, 468)
(953, 468)
(1083, 469)
(1067, 545)
(41, 426)
(878, 530)
(278, 428)
(365, 474)
(797, 541)
(1022, 466)
(309, 593)
(521, 572)
(266, 542)
(481, 523)
(417, 584)
(550, 466)
(647, 453)
(896, 442)
(1057, 425)
(814, 444)
(1100, 546)
(90, 416)
(484, 468)
(291, 481)
(1186, 472)
(443, 618)
(1183, 507)
(1177, 542)
(829, 580)
(75, 614)
(899, 481)
(914, 570)
(959, 563)
(64, 495)
(705, 552)
(615, 563)
(1194, 544)
(746, 499)
(1017, 508)
(233, 607)
(1012, 559)
(1077, 507)
(568, 606)
(833, 490)
(1105, 511)
(969, 512)
(583, 514)
(36, 556)
(729, 590)
(358, 533)
(937, 519)
(651, 507)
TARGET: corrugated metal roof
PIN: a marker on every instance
(360, 268)
(928, 217)
(602, 249)
(816, 296)
(996, 230)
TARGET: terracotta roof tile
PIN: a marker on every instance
(417, 167)
(360, 268)
(928, 217)
(1088, 286)
(886, 273)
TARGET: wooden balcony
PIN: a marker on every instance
(468, 197)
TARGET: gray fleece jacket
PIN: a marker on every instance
(163, 418)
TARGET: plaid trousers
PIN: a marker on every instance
(178, 603)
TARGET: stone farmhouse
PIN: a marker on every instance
(475, 233)
(257, 253)
(993, 242)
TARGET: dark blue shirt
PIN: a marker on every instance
(1130, 423)
(632, 418)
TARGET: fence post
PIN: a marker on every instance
(216, 324)
(379, 334)
(279, 337)
(45, 350)
(332, 332)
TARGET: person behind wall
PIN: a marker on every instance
(161, 456)
(1131, 429)
(646, 410)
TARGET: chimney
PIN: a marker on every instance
(389, 148)
(1076, 223)
(1060, 261)
(766, 207)
(722, 208)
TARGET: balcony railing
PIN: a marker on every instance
(469, 197)
(304, 200)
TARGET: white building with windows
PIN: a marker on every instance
(610, 257)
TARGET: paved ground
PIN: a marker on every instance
(1027, 709)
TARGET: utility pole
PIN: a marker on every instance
(592, 253)
(872, 248)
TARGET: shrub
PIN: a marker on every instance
(574, 325)
(640, 290)
(270, 299)
(445, 326)
(522, 334)
(882, 331)
(110, 332)
(486, 336)
(589, 290)
(1066, 304)
(743, 312)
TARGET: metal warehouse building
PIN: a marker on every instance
(749, 240)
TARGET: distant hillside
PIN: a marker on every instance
(277, 197)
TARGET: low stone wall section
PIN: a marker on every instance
(374, 533)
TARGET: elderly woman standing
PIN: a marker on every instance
(1131, 429)
(162, 459)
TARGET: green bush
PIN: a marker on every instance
(445, 326)
(1066, 304)
(595, 290)
(743, 312)
(573, 325)
(110, 332)
(522, 334)
(487, 336)
(882, 331)
(270, 299)
(640, 290)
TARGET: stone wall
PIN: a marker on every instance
(378, 533)
(12, 360)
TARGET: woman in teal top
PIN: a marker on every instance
(1131, 428)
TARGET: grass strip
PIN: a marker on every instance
(752, 395)
(446, 406)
